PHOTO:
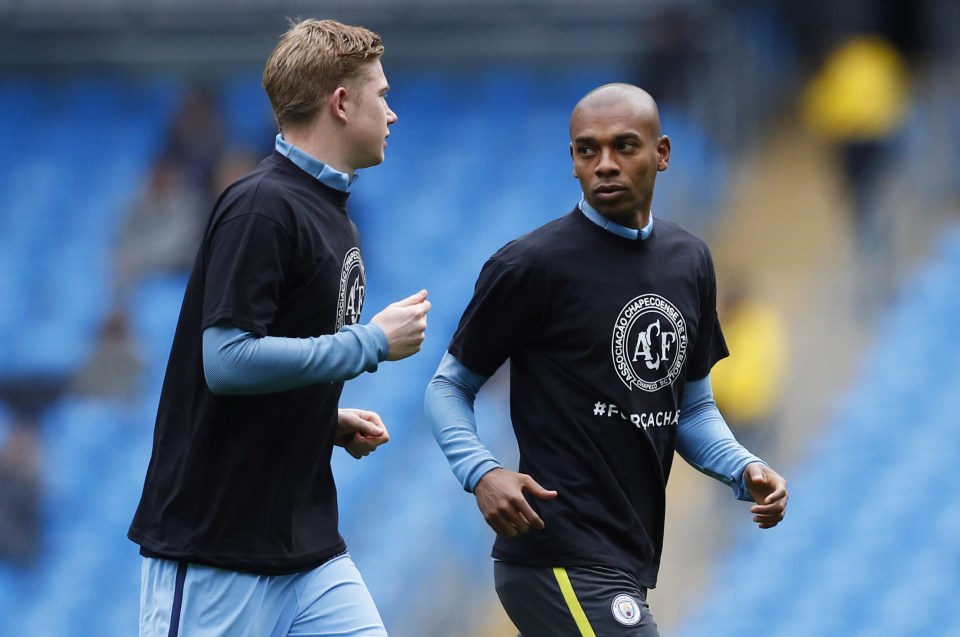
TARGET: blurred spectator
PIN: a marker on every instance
(26, 399)
(112, 371)
(163, 229)
(858, 102)
(749, 383)
(20, 496)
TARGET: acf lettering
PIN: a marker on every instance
(649, 338)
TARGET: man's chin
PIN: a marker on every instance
(616, 212)
(610, 209)
(371, 161)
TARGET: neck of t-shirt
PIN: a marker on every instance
(611, 226)
(314, 167)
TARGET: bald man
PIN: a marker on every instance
(609, 322)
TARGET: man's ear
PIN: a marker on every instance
(663, 150)
(337, 106)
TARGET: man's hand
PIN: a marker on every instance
(769, 490)
(360, 432)
(500, 498)
(404, 323)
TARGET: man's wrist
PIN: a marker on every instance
(482, 469)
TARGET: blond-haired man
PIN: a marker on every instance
(238, 519)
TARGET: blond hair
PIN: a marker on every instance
(313, 59)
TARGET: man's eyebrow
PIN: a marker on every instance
(618, 136)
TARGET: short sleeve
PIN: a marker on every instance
(710, 346)
(502, 317)
(246, 262)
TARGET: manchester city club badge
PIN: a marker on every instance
(626, 610)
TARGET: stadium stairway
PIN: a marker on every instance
(872, 541)
(787, 232)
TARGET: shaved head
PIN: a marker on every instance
(610, 95)
(617, 151)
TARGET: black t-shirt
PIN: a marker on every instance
(244, 482)
(602, 332)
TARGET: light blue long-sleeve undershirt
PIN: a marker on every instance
(703, 438)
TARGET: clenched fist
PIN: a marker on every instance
(405, 324)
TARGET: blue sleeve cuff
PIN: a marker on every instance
(373, 344)
(482, 469)
(383, 345)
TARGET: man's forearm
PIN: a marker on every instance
(236, 362)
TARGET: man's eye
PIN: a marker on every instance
(585, 151)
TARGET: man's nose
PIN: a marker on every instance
(607, 164)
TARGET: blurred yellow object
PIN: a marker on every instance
(860, 93)
(747, 385)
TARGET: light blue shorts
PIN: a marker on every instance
(188, 600)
